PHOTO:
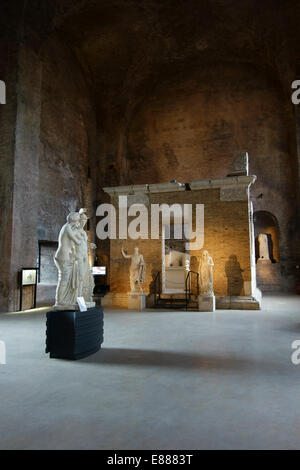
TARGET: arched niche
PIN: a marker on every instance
(265, 222)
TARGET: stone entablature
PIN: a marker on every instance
(232, 188)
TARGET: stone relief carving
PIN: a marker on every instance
(176, 258)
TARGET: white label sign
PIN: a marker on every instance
(81, 304)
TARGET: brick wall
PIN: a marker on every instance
(226, 237)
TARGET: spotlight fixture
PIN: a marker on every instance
(181, 185)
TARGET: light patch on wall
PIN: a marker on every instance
(2, 92)
(2, 353)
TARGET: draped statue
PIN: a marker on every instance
(88, 283)
(263, 243)
(71, 259)
(206, 274)
(137, 270)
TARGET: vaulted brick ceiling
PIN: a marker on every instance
(126, 46)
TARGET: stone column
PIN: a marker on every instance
(252, 251)
(26, 168)
(296, 244)
(297, 119)
(19, 157)
(8, 113)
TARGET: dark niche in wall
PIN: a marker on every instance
(47, 268)
(265, 222)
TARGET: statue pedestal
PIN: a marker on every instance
(264, 261)
(72, 334)
(74, 307)
(206, 303)
(136, 301)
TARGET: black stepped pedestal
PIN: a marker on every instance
(73, 334)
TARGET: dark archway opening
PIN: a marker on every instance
(267, 272)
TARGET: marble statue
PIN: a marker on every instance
(137, 270)
(88, 283)
(71, 259)
(206, 274)
(65, 261)
(263, 249)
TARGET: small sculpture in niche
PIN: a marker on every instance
(137, 270)
(263, 244)
(206, 274)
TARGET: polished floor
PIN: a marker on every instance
(163, 380)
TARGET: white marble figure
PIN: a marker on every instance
(71, 259)
(263, 248)
(137, 270)
(87, 281)
(206, 274)
(65, 261)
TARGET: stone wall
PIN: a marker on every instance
(47, 151)
(9, 47)
(195, 123)
(67, 123)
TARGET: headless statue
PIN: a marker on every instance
(264, 257)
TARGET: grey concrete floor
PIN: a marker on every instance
(163, 380)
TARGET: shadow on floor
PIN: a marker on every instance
(178, 360)
(290, 328)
